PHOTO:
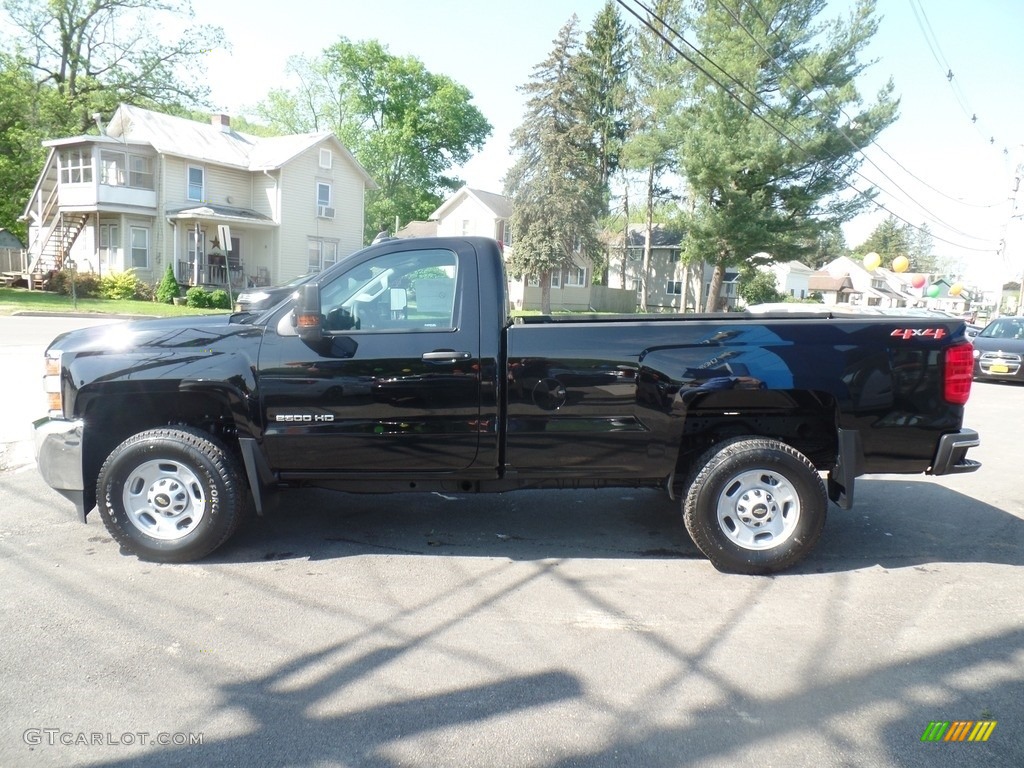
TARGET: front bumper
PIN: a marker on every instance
(951, 455)
(59, 457)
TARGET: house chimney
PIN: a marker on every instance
(221, 121)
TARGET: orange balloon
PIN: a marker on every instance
(900, 264)
(871, 261)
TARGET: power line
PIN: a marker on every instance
(768, 28)
(646, 22)
(933, 45)
(782, 71)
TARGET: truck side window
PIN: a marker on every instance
(402, 291)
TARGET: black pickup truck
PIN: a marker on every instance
(399, 369)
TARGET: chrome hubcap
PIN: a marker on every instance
(758, 509)
(164, 499)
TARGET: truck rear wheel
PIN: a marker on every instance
(755, 506)
(171, 495)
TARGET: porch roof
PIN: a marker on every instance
(221, 213)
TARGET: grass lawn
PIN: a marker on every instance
(15, 300)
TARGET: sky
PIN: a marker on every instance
(934, 165)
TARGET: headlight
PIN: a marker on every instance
(51, 384)
(977, 353)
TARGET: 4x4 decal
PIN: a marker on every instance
(907, 333)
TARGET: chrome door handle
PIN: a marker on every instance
(445, 356)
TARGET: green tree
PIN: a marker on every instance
(604, 66)
(890, 239)
(650, 146)
(831, 244)
(922, 251)
(408, 127)
(168, 290)
(22, 130)
(758, 286)
(768, 148)
(100, 53)
(555, 182)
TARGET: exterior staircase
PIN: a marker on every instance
(51, 246)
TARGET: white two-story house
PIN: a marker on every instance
(223, 208)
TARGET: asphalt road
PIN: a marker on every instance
(535, 628)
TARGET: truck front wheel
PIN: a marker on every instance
(755, 506)
(171, 495)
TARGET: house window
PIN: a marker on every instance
(112, 168)
(324, 210)
(556, 278)
(322, 253)
(674, 288)
(140, 248)
(140, 172)
(465, 227)
(115, 172)
(76, 166)
(326, 158)
(196, 183)
(576, 276)
(503, 232)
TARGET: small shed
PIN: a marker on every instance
(12, 257)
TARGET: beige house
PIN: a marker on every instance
(224, 208)
(669, 284)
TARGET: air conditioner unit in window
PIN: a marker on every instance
(325, 212)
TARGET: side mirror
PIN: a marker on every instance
(309, 322)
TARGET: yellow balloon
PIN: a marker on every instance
(955, 288)
(871, 261)
(900, 264)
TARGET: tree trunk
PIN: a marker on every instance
(717, 278)
(545, 292)
(646, 270)
(625, 238)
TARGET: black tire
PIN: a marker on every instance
(755, 506)
(172, 495)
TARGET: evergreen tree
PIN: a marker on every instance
(767, 149)
(555, 183)
(168, 290)
(604, 67)
(889, 240)
(660, 73)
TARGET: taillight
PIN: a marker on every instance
(959, 371)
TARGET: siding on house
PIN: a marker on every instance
(265, 190)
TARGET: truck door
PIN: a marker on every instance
(394, 386)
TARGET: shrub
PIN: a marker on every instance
(87, 284)
(144, 291)
(197, 297)
(168, 290)
(219, 299)
(119, 285)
